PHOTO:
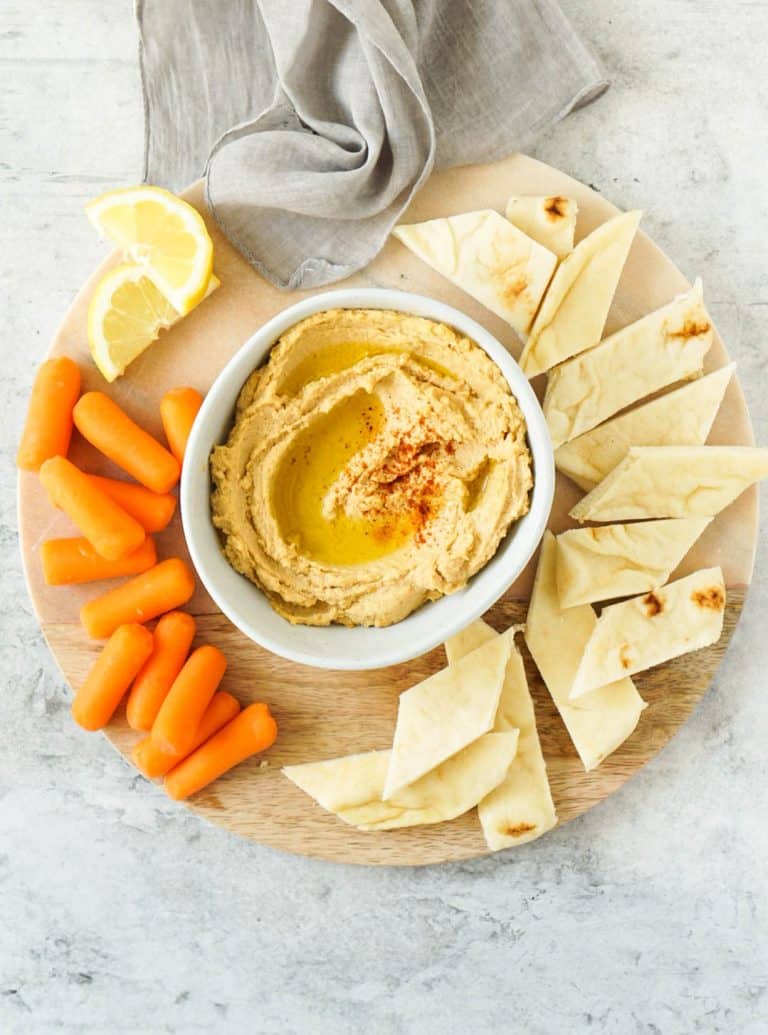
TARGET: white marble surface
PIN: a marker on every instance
(121, 913)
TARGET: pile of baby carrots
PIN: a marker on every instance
(195, 732)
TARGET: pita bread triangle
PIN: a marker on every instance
(441, 715)
(549, 220)
(645, 631)
(485, 255)
(556, 638)
(574, 310)
(673, 481)
(664, 347)
(619, 560)
(520, 809)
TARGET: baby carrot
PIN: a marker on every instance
(153, 510)
(124, 654)
(66, 561)
(166, 586)
(48, 426)
(178, 409)
(111, 430)
(154, 762)
(112, 533)
(184, 706)
(251, 731)
(173, 638)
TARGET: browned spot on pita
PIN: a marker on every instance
(624, 657)
(511, 282)
(519, 829)
(556, 208)
(654, 604)
(690, 329)
(712, 599)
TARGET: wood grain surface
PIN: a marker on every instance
(322, 714)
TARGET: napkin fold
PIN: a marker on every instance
(315, 121)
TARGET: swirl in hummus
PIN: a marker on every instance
(376, 462)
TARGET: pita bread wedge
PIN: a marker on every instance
(549, 220)
(352, 787)
(520, 809)
(441, 715)
(556, 638)
(575, 307)
(469, 639)
(485, 255)
(662, 348)
(637, 634)
(673, 481)
(620, 560)
(683, 417)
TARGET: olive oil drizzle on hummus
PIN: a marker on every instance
(310, 469)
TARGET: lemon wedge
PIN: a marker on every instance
(161, 233)
(126, 314)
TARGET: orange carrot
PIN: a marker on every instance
(166, 586)
(66, 561)
(112, 533)
(111, 430)
(153, 510)
(111, 675)
(154, 762)
(48, 427)
(178, 409)
(180, 713)
(173, 638)
(251, 731)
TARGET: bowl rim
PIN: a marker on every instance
(529, 529)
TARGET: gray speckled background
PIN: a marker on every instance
(121, 913)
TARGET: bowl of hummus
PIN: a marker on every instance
(368, 474)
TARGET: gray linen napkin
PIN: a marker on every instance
(316, 120)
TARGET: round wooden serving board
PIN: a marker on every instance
(324, 714)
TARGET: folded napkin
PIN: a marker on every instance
(315, 121)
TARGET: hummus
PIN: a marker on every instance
(376, 462)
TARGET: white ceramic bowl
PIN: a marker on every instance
(337, 646)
